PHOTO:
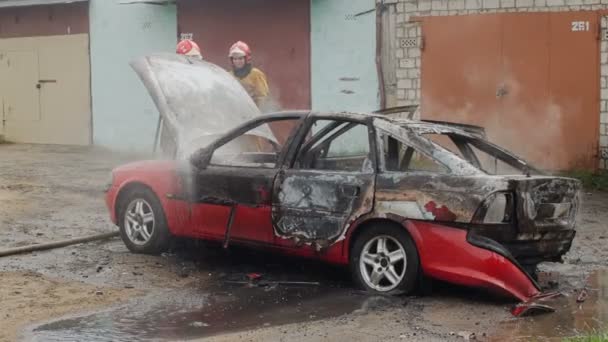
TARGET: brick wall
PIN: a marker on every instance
(409, 36)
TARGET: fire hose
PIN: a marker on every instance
(56, 244)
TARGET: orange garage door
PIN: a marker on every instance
(532, 79)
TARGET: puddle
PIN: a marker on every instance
(167, 316)
(570, 318)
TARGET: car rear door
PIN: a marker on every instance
(328, 183)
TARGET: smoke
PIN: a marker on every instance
(197, 100)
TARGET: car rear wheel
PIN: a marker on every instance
(143, 227)
(384, 259)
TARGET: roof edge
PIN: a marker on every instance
(23, 3)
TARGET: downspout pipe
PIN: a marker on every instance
(380, 7)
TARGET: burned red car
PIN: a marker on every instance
(394, 199)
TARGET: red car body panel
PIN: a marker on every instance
(209, 221)
(444, 251)
(160, 177)
(446, 254)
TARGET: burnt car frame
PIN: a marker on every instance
(394, 199)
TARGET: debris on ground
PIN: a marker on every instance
(272, 284)
(467, 335)
(198, 324)
(183, 272)
(582, 296)
(254, 276)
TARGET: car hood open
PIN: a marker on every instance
(197, 100)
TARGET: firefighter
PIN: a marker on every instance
(252, 79)
(189, 48)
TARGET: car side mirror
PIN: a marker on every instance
(201, 158)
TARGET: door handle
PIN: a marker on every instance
(41, 82)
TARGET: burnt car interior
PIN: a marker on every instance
(400, 157)
(247, 150)
(482, 154)
(336, 145)
(250, 149)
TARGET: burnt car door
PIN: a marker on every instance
(327, 184)
(233, 182)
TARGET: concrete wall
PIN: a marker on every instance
(124, 116)
(343, 55)
(409, 39)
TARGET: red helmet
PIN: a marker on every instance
(240, 49)
(188, 47)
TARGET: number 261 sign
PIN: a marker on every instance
(578, 26)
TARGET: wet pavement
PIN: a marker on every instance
(51, 193)
(571, 318)
(198, 315)
(224, 303)
(222, 299)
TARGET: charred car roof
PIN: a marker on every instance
(420, 126)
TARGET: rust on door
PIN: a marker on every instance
(532, 79)
(459, 77)
(523, 96)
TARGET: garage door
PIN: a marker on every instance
(44, 74)
(278, 31)
(45, 89)
(343, 36)
(532, 79)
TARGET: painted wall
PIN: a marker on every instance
(124, 116)
(35, 21)
(343, 55)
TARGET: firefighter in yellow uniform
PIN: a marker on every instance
(252, 79)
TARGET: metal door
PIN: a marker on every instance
(21, 96)
(344, 75)
(574, 69)
(277, 31)
(46, 90)
(530, 78)
(325, 190)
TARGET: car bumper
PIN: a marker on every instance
(457, 256)
(530, 248)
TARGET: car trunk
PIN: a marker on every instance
(546, 210)
(545, 204)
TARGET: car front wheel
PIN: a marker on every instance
(142, 223)
(384, 259)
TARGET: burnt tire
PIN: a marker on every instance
(142, 222)
(384, 259)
